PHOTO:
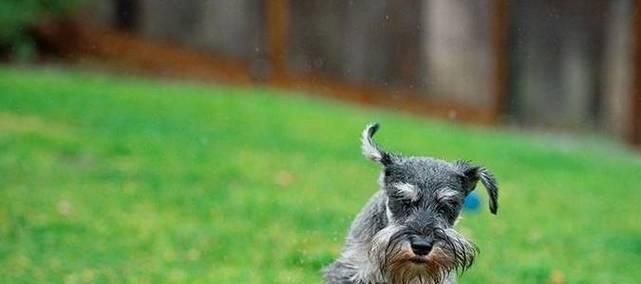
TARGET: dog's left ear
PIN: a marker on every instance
(472, 174)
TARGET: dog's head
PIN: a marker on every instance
(424, 199)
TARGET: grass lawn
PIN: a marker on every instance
(114, 180)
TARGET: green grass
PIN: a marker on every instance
(114, 180)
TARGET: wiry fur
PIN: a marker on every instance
(419, 202)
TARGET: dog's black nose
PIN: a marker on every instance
(421, 247)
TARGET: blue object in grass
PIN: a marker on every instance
(472, 202)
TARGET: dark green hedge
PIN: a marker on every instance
(16, 16)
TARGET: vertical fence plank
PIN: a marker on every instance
(499, 33)
(634, 137)
(277, 35)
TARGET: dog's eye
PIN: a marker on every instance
(408, 203)
(404, 201)
(448, 203)
(448, 198)
(448, 206)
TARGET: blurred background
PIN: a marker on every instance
(566, 65)
(153, 141)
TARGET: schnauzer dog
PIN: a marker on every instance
(405, 232)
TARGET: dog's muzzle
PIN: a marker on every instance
(403, 256)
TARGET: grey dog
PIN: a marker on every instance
(405, 232)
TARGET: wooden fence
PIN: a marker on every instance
(562, 64)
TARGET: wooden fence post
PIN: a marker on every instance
(634, 137)
(499, 16)
(277, 35)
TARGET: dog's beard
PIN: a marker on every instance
(396, 262)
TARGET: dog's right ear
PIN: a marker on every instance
(370, 149)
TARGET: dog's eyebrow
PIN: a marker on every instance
(406, 190)
(446, 194)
